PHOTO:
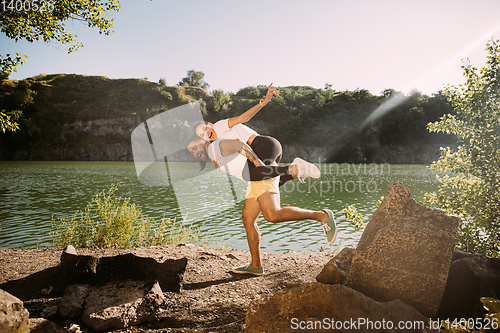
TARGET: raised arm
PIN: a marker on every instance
(228, 147)
(247, 115)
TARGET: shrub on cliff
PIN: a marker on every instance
(469, 176)
(194, 79)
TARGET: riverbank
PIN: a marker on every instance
(212, 299)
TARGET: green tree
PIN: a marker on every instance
(8, 120)
(33, 21)
(219, 101)
(14, 101)
(8, 64)
(470, 175)
(194, 79)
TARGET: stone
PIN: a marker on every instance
(71, 305)
(70, 249)
(76, 269)
(121, 304)
(49, 311)
(471, 277)
(74, 328)
(405, 252)
(326, 306)
(337, 269)
(41, 325)
(82, 269)
(13, 314)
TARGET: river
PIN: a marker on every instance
(31, 193)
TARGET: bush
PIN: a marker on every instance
(111, 221)
(354, 217)
(219, 101)
(469, 176)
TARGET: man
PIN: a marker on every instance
(262, 193)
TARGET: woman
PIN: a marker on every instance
(267, 148)
(225, 128)
(232, 156)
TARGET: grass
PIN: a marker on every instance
(110, 221)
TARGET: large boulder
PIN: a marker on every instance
(337, 269)
(471, 277)
(121, 304)
(405, 252)
(84, 269)
(318, 307)
(13, 315)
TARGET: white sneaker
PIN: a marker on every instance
(306, 169)
(330, 227)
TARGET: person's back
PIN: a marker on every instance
(234, 164)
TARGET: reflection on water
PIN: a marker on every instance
(32, 192)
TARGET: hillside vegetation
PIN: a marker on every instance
(49, 102)
(325, 118)
(298, 116)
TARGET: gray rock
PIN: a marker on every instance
(337, 269)
(326, 306)
(49, 311)
(71, 305)
(41, 325)
(13, 315)
(471, 277)
(405, 252)
(120, 305)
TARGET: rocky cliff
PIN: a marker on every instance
(90, 118)
(358, 151)
(94, 131)
(121, 127)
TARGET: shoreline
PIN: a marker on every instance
(211, 299)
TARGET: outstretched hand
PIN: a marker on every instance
(270, 93)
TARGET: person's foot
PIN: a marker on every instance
(306, 169)
(248, 269)
(329, 227)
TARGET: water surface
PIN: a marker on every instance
(32, 192)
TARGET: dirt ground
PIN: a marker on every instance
(212, 299)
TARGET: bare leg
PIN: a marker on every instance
(273, 212)
(251, 211)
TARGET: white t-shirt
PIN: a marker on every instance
(239, 131)
(234, 164)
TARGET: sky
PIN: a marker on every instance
(356, 44)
